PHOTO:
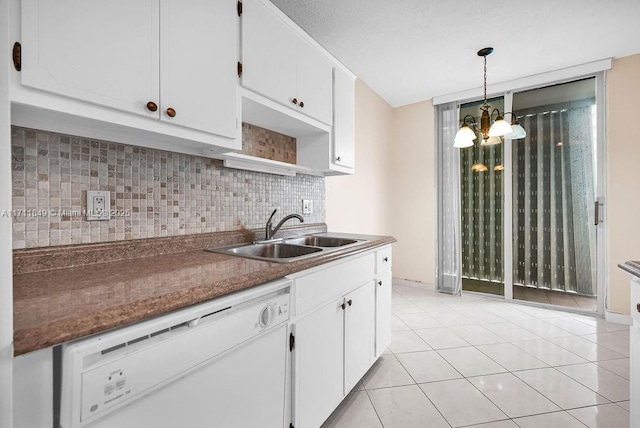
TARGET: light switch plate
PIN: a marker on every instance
(307, 206)
(98, 205)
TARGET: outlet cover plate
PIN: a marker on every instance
(307, 206)
(98, 205)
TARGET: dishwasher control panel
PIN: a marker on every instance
(273, 312)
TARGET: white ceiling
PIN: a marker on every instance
(412, 50)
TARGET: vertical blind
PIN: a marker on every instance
(554, 237)
(482, 213)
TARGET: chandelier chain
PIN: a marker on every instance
(485, 79)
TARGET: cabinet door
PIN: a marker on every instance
(383, 313)
(359, 334)
(344, 106)
(314, 82)
(318, 365)
(634, 337)
(102, 52)
(199, 57)
(268, 54)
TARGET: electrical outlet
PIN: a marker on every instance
(307, 206)
(98, 205)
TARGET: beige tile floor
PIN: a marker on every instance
(483, 363)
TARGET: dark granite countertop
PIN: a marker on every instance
(73, 298)
(633, 267)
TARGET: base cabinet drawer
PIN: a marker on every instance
(383, 259)
(318, 287)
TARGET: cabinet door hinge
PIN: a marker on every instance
(292, 342)
(239, 69)
(17, 56)
(239, 7)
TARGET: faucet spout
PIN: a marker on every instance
(270, 231)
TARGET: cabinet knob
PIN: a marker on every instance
(338, 158)
(350, 302)
(295, 101)
(301, 104)
(343, 306)
(151, 106)
(171, 112)
(386, 259)
(638, 307)
(380, 283)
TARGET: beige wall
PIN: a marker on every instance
(412, 205)
(393, 190)
(358, 203)
(623, 176)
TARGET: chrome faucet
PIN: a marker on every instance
(270, 230)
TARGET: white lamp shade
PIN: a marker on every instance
(499, 128)
(518, 132)
(464, 137)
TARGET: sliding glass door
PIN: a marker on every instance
(553, 196)
(530, 206)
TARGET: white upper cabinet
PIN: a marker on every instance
(155, 72)
(268, 54)
(280, 65)
(344, 107)
(314, 82)
(199, 58)
(106, 53)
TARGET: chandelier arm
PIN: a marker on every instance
(473, 123)
(514, 118)
(495, 110)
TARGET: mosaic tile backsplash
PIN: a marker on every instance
(267, 144)
(153, 192)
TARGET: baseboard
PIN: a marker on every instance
(410, 283)
(617, 318)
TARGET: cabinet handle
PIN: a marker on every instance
(638, 307)
(171, 112)
(380, 283)
(295, 101)
(301, 104)
(151, 106)
(350, 302)
(386, 259)
(338, 158)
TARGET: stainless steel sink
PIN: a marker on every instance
(287, 250)
(275, 252)
(321, 241)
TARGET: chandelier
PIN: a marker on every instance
(492, 133)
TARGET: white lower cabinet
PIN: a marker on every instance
(383, 312)
(634, 361)
(342, 324)
(359, 334)
(318, 362)
(33, 389)
(334, 348)
(634, 404)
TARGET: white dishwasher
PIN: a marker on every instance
(217, 364)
